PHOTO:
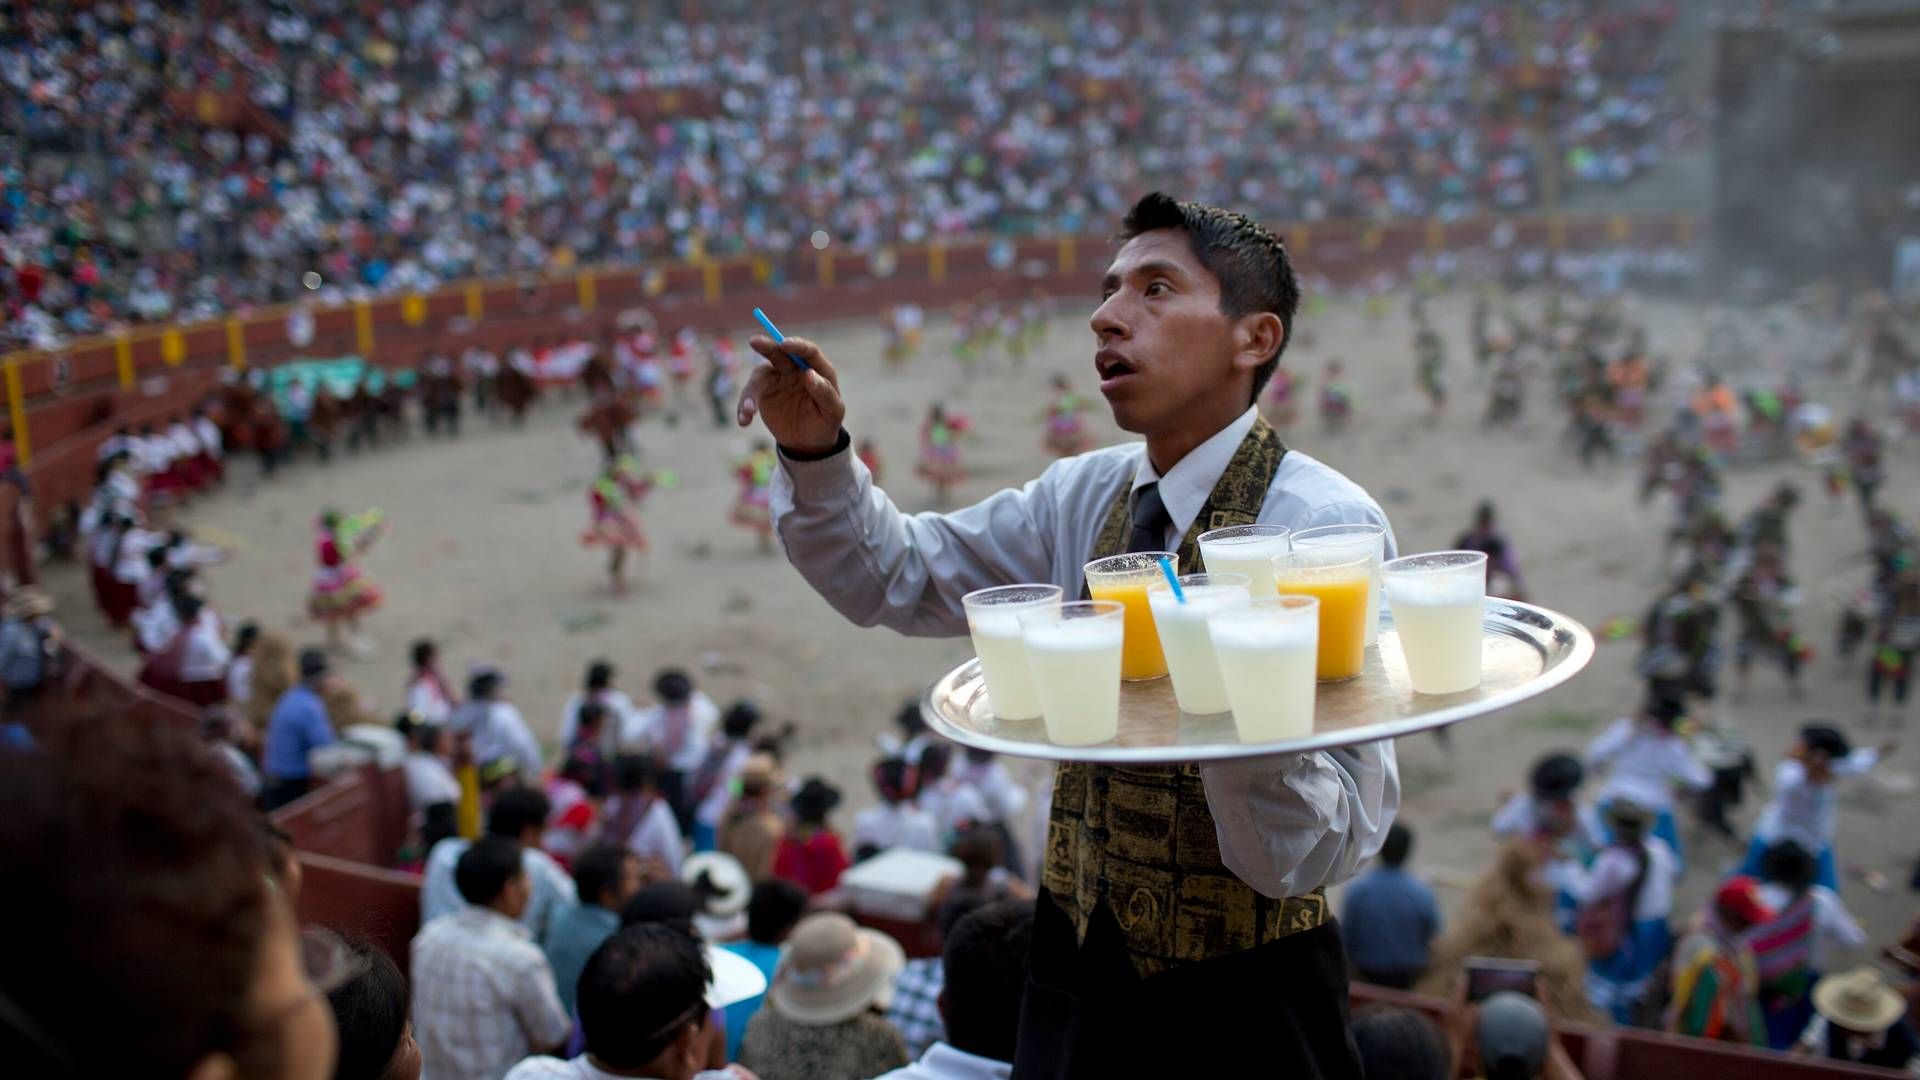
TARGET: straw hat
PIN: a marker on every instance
(1858, 1000)
(28, 602)
(833, 970)
(760, 774)
(728, 887)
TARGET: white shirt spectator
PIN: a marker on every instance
(429, 781)
(1644, 765)
(620, 714)
(1833, 924)
(1802, 811)
(652, 729)
(155, 626)
(657, 836)
(240, 681)
(208, 433)
(184, 442)
(499, 731)
(713, 807)
(552, 885)
(207, 655)
(943, 1062)
(483, 996)
(1518, 816)
(890, 825)
(427, 700)
(579, 1068)
(1612, 874)
(1005, 797)
(953, 803)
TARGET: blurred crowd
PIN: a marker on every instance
(171, 162)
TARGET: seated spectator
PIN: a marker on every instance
(823, 1018)
(429, 763)
(605, 877)
(575, 792)
(369, 999)
(498, 730)
(204, 654)
(1715, 987)
(812, 853)
(101, 986)
(1400, 1043)
(483, 993)
(519, 815)
(1510, 1037)
(894, 821)
(1789, 950)
(985, 966)
(30, 656)
(983, 874)
(712, 783)
(752, 829)
(1390, 918)
(1509, 914)
(914, 738)
(429, 696)
(951, 801)
(650, 1001)
(1861, 1020)
(639, 817)
(591, 722)
(721, 883)
(676, 731)
(246, 641)
(774, 909)
(670, 903)
(615, 706)
(297, 727)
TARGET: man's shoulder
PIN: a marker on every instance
(1317, 483)
(1101, 468)
(546, 1068)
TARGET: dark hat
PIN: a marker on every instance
(672, 686)
(1666, 704)
(815, 798)
(1827, 739)
(1556, 775)
(1514, 1034)
(314, 663)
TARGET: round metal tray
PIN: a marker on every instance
(1526, 651)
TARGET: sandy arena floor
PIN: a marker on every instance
(483, 557)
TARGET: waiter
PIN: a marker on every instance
(1182, 923)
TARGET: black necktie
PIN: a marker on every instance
(1150, 520)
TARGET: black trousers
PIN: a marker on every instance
(1277, 1010)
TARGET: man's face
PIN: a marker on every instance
(628, 884)
(519, 891)
(1163, 343)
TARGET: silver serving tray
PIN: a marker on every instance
(1526, 651)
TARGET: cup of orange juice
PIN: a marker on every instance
(1126, 578)
(1341, 579)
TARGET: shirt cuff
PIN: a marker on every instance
(821, 477)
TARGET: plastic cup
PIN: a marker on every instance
(1341, 580)
(1183, 636)
(993, 618)
(1126, 579)
(1439, 604)
(1074, 653)
(1246, 549)
(1371, 539)
(1268, 653)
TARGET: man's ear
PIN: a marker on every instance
(941, 1004)
(1258, 338)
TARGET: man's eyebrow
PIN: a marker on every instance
(1150, 268)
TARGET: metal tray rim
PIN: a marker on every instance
(1567, 645)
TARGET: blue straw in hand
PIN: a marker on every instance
(1173, 580)
(774, 332)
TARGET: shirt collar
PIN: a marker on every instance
(485, 918)
(1187, 486)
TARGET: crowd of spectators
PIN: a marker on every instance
(175, 161)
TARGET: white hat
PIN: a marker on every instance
(728, 887)
(735, 978)
(833, 970)
(1859, 1001)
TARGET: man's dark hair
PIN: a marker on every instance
(986, 970)
(1826, 739)
(1249, 262)
(423, 652)
(673, 687)
(668, 903)
(632, 772)
(516, 810)
(1400, 1043)
(774, 909)
(1398, 843)
(740, 719)
(369, 1006)
(1789, 866)
(486, 868)
(598, 869)
(599, 675)
(591, 714)
(639, 990)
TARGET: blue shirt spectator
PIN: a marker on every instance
(518, 814)
(605, 876)
(1390, 919)
(773, 910)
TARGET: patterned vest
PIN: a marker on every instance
(1140, 839)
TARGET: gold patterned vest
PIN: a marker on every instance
(1140, 839)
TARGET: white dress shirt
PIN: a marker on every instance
(620, 714)
(1802, 811)
(648, 728)
(1643, 765)
(429, 781)
(886, 825)
(483, 996)
(499, 731)
(207, 655)
(1286, 824)
(427, 700)
(208, 433)
(943, 1062)
(1006, 798)
(580, 1068)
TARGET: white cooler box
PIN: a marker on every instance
(898, 883)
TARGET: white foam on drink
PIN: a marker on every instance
(1076, 635)
(1262, 631)
(1434, 588)
(997, 626)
